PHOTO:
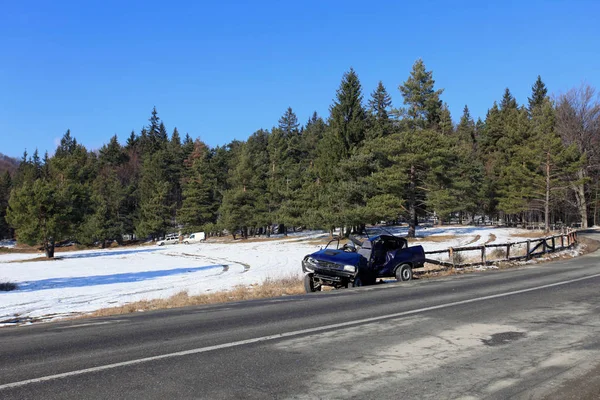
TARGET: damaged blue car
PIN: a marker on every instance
(360, 263)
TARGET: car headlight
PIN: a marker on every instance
(349, 268)
(309, 263)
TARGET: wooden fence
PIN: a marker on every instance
(516, 251)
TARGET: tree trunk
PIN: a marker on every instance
(547, 200)
(49, 248)
(412, 208)
(580, 198)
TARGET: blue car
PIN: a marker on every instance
(360, 263)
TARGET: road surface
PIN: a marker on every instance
(531, 332)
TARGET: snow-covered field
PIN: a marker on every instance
(84, 281)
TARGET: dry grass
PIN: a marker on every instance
(42, 258)
(532, 234)
(434, 239)
(267, 289)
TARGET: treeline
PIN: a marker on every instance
(366, 162)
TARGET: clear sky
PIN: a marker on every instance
(221, 70)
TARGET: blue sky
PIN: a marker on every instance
(221, 70)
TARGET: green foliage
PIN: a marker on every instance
(364, 164)
(199, 207)
(5, 188)
(423, 104)
(538, 95)
(42, 212)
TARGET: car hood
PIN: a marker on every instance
(337, 256)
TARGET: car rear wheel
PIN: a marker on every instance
(310, 285)
(404, 273)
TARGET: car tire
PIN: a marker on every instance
(309, 284)
(356, 283)
(186, 242)
(404, 273)
(161, 244)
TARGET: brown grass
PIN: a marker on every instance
(533, 234)
(42, 258)
(269, 288)
(435, 238)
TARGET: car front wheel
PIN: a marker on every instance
(404, 273)
(356, 283)
(309, 284)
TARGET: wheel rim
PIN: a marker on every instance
(405, 274)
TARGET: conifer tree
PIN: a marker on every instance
(379, 108)
(5, 188)
(538, 94)
(423, 102)
(199, 207)
(41, 212)
(347, 119)
(422, 117)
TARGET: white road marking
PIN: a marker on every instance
(91, 324)
(283, 335)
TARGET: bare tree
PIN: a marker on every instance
(578, 123)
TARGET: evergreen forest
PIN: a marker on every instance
(368, 161)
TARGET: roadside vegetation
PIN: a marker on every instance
(269, 288)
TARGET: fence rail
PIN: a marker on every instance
(530, 248)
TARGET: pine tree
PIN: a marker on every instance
(379, 108)
(423, 102)
(132, 141)
(156, 209)
(112, 154)
(5, 188)
(538, 94)
(445, 126)
(347, 115)
(41, 212)
(422, 119)
(107, 219)
(465, 129)
(199, 207)
(508, 101)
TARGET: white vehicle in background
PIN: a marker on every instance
(170, 239)
(196, 237)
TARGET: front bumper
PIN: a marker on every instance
(328, 274)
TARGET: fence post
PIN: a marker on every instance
(483, 260)
(451, 255)
(553, 243)
(562, 241)
(508, 252)
(544, 248)
(528, 256)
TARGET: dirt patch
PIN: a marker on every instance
(491, 239)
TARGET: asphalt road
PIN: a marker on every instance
(531, 332)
